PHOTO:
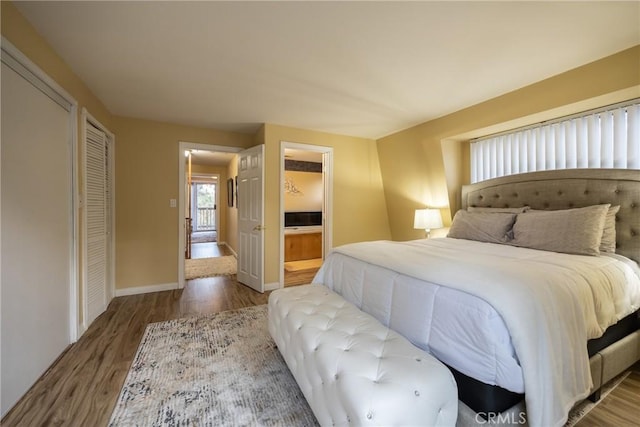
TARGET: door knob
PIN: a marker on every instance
(259, 228)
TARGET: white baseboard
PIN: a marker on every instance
(146, 289)
(80, 331)
(272, 286)
(230, 249)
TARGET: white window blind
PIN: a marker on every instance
(603, 138)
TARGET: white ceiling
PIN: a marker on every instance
(355, 68)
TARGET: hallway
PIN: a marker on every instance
(204, 244)
(208, 250)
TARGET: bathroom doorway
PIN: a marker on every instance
(305, 210)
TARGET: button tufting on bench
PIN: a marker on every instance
(355, 367)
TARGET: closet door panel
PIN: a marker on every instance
(36, 234)
(96, 207)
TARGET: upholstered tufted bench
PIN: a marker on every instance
(353, 370)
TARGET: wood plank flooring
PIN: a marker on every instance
(81, 388)
(301, 277)
(621, 408)
(209, 250)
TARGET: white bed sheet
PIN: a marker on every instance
(535, 291)
(459, 329)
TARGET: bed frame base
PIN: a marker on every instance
(606, 364)
(484, 398)
(565, 189)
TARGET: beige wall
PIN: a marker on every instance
(232, 212)
(359, 211)
(22, 35)
(426, 164)
(146, 227)
(18, 31)
(309, 198)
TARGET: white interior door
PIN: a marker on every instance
(250, 218)
(97, 222)
(37, 246)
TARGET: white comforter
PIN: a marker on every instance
(551, 303)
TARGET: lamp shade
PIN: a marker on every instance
(427, 219)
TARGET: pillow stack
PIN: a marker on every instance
(584, 231)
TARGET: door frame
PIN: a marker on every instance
(182, 147)
(327, 205)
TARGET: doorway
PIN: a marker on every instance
(306, 195)
(204, 216)
(207, 224)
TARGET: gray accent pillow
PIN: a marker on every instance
(608, 242)
(497, 210)
(483, 227)
(572, 231)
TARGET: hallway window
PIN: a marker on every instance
(204, 205)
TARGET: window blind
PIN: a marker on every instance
(603, 138)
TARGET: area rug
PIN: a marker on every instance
(204, 236)
(218, 370)
(209, 267)
(223, 369)
(307, 264)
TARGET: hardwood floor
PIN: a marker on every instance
(81, 388)
(209, 250)
(621, 408)
(302, 277)
(304, 272)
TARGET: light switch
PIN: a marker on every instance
(172, 203)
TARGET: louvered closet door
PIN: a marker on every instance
(97, 220)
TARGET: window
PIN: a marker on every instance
(608, 137)
(204, 206)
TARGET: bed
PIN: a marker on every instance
(421, 290)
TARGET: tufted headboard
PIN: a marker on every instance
(569, 188)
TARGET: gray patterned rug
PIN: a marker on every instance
(218, 370)
(222, 370)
